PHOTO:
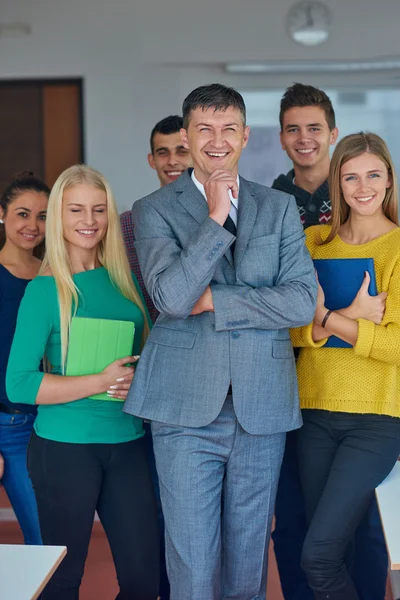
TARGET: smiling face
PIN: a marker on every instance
(215, 139)
(306, 136)
(84, 215)
(25, 219)
(169, 158)
(364, 182)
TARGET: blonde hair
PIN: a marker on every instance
(111, 251)
(350, 147)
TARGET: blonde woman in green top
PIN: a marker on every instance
(85, 454)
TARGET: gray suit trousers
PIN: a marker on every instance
(217, 550)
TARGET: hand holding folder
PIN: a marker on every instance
(341, 279)
(96, 343)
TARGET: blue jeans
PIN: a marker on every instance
(15, 432)
(369, 559)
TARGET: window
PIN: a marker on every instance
(360, 109)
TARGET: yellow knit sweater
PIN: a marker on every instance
(366, 378)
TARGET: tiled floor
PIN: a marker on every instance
(99, 581)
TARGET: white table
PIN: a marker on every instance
(25, 570)
(388, 496)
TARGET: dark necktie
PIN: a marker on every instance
(230, 226)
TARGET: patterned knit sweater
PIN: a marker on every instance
(313, 208)
(366, 378)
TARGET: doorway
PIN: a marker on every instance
(41, 127)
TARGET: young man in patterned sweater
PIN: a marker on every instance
(308, 130)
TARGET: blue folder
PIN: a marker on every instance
(341, 278)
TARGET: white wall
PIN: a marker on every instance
(140, 58)
(225, 30)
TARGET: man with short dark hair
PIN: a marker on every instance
(225, 263)
(170, 159)
(168, 156)
(308, 130)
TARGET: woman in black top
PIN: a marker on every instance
(23, 208)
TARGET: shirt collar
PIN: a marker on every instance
(200, 187)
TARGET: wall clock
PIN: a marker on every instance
(309, 22)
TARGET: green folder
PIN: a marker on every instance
(95, 343)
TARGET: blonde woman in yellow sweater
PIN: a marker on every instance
(350, 396)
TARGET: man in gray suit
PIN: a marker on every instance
(224, 262)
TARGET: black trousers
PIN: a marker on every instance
(343, 457)
(164, 590)
(367, 558)
(71, 481)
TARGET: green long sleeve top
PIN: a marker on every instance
(38, 334)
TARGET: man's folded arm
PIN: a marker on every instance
(289, 303)
(175, 277)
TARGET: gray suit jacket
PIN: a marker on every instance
(188, 362)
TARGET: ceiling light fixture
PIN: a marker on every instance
(281, 67)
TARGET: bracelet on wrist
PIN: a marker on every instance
(326, 317)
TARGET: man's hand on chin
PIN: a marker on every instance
(216, 188)
(204, 303)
